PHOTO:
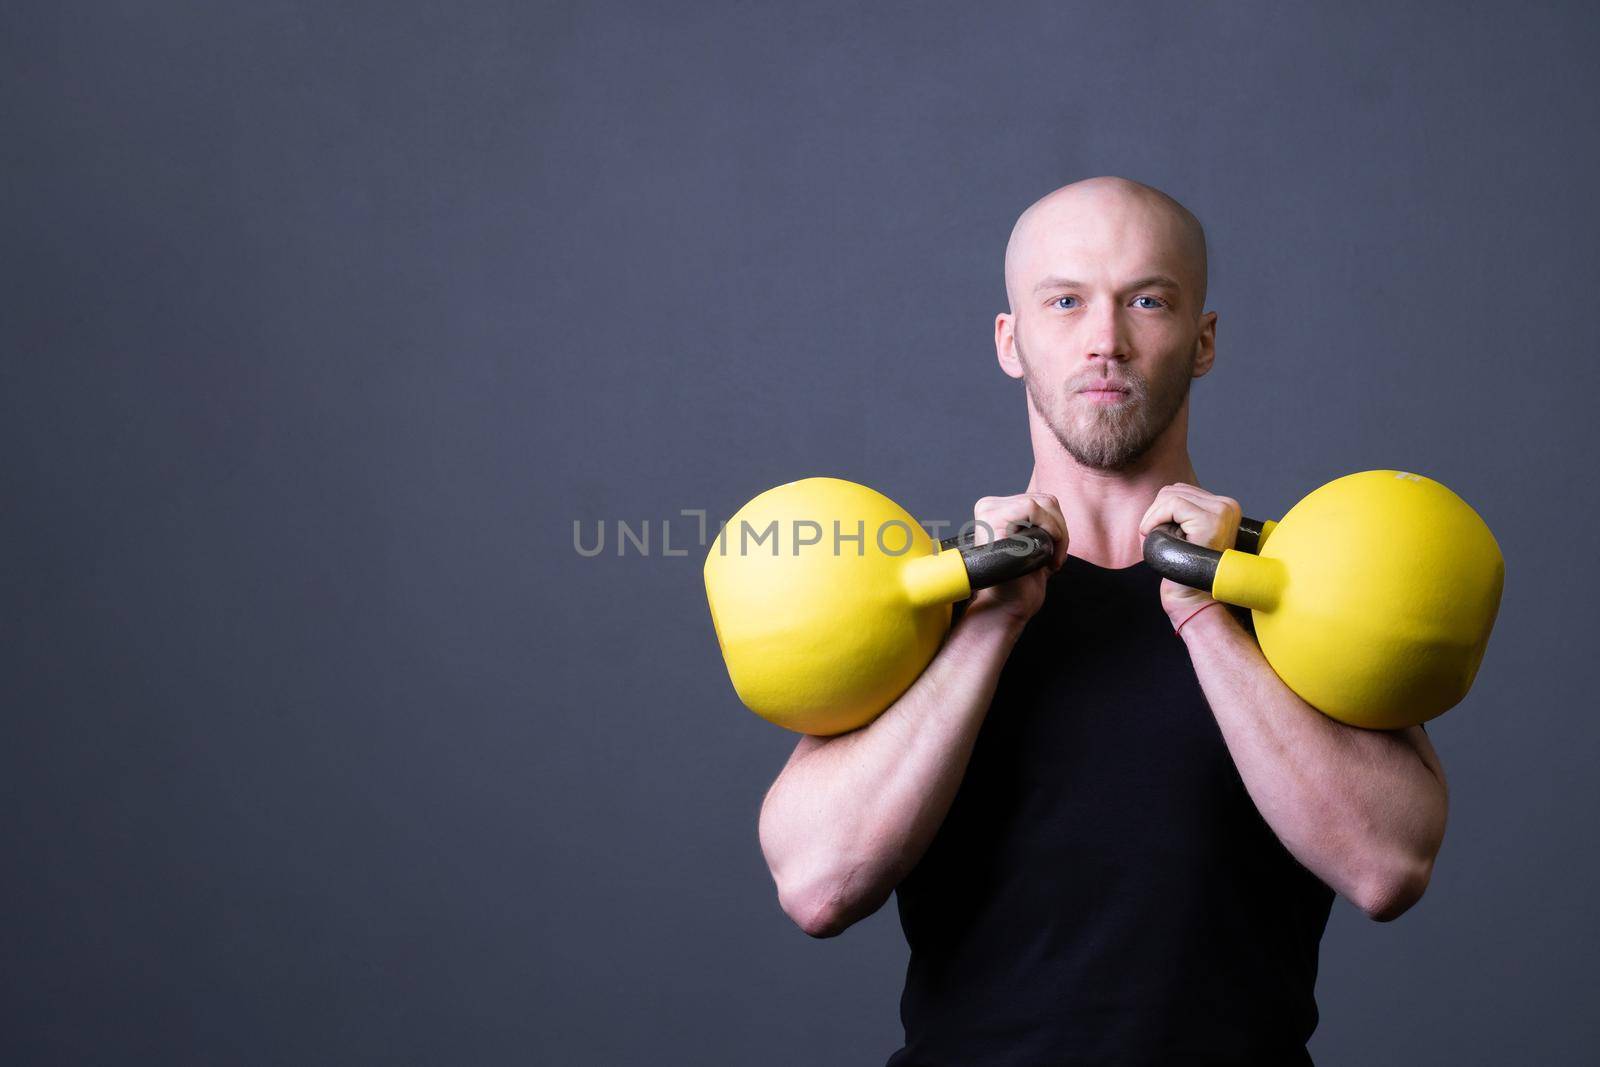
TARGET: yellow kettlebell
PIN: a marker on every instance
(1372, 598)
(829, 599)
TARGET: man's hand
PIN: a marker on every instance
(1206, 519)
(997, 516)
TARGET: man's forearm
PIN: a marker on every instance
(1364, 810)
(849, 816)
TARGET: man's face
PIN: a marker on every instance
(1106, 326)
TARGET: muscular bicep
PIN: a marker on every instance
(808, 744)
(1417, 738)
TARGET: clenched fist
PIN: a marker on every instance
(1206, 519)
(995, 517)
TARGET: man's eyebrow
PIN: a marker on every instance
(1151, 281)
(1156, 281)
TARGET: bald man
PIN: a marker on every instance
(1113, 832)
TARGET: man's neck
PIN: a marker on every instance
(1103, 508)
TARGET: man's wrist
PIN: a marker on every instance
(1205, 620)
(993, 619)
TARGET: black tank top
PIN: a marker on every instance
(1103, 890)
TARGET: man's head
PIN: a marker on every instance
(1107, 285)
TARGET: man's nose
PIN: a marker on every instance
(1107, 336)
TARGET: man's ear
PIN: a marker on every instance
(1005, 345)
(1205, 346)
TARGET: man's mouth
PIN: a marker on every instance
(1104, 392)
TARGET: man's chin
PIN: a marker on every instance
(1098, 453)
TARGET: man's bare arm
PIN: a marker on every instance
(849, 816)
(1364, 810)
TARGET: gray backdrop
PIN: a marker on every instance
(323, 325)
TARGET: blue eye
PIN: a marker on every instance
(1059, 299)
(1152, 306)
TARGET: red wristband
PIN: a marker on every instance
(1196, 611)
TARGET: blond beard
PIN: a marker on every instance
(1113, 437)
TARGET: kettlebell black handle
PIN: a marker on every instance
(1026, 549)
(1174, 556)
